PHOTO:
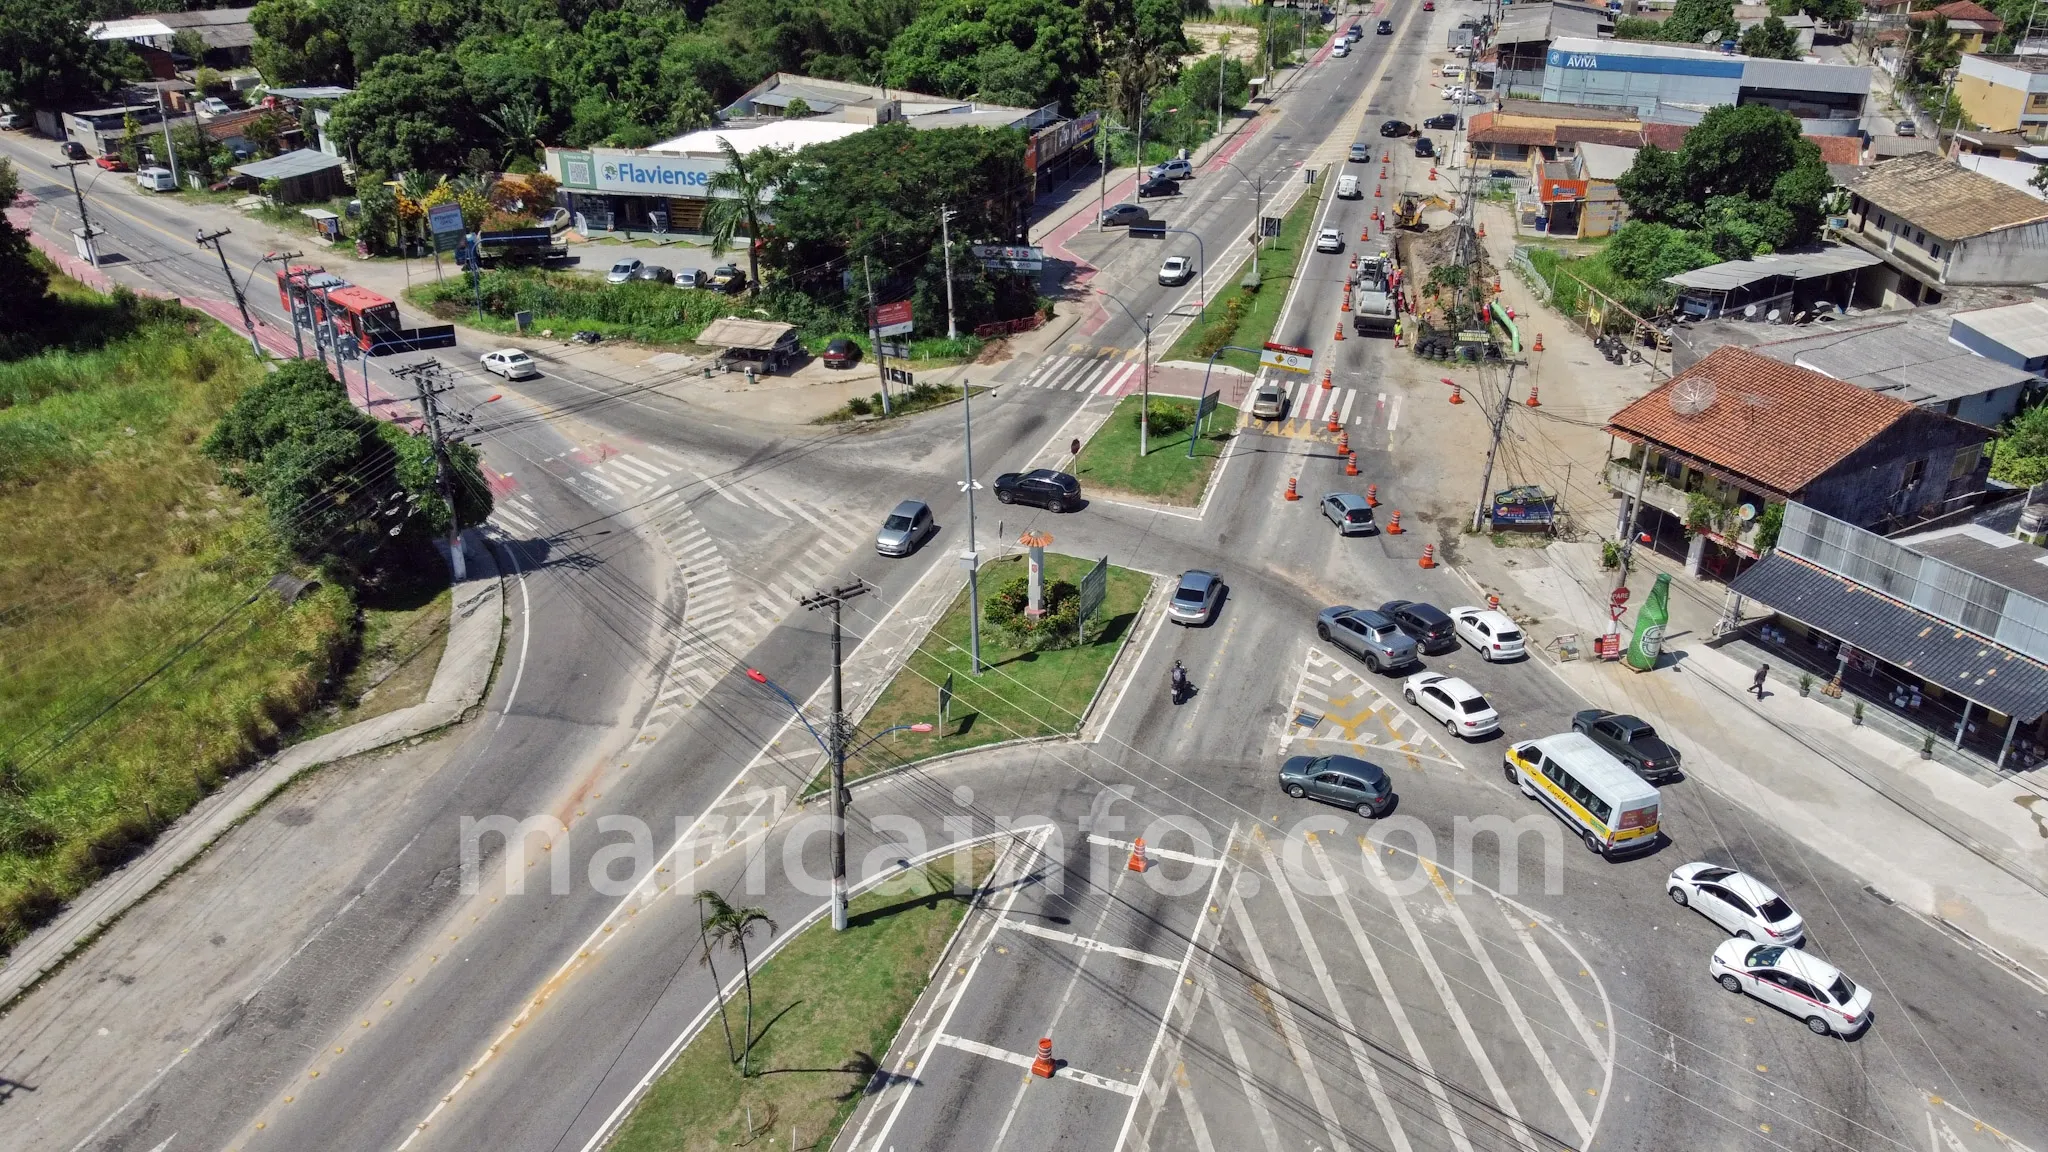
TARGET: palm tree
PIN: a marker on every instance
(739, 196)
(731, 927)
(719, 907)
(518, 123)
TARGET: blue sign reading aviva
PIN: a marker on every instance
(631, 173)
(1702, 65)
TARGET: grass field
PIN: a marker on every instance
(826, 1009)
(1167, 473)
(1019, 693)
(1258, 312)
(140, 657)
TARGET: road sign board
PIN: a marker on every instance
(1094, 589)
(1148, 231)
(1287, 360)
(1208, 404)
(1269, 226)
(899, 376)
(996, 265)
(892, 348)
(444, 218)
(890, 319)
(1007, 252)
(946, 698)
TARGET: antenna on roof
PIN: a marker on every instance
(1692, 394)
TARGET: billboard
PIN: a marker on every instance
(890, 319)
(624, 170)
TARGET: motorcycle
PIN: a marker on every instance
(1182, 690)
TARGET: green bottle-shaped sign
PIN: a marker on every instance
(1648, 641)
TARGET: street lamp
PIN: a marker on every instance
(1145, 374)
(1258, 208)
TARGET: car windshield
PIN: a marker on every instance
(518, 358)
(1763, 956)
(623, 266)
(1358, 515)
(1709, 875)
(896, 523)
(1843, 989)
(1775, 909)
(1475, 704)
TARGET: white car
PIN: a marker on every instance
(1177, 270)
(623, 271)
(1329, 240)
(1453, 91)
(1737, 901)
(1343, 48)
(1462, 50)
(1460, 707)
(1451, 70)
(1798, 982)
(1468, 97)
(1491, 632)
(510, 363)
(212, 106)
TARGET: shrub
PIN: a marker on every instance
(859, 406)
(1057, 628)
(1166, 417)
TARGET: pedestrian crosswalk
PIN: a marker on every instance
(1092, 375)
(515, 512)
(1311, 407)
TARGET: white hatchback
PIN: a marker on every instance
(1329, 240)
(1798, 982)
(510, 363)
(1737, 901)
(1490, 631)
(1461, 708)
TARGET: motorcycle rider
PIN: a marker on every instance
(1180, 682)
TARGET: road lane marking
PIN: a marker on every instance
(1162, 853)
(1394, 415)
(1024, 1060)
(1197, 1126)
(1507, 999)
(1373, 1088)
(1246, 1078)
(1349, 395)
(1557, 988)
(1304, 1061)
(1090, 945)
(1420, 945)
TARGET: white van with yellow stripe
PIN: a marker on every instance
(1613, 809)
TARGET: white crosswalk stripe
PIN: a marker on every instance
(518, 513)
(1096, 375)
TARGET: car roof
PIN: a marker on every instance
(1491, 616)
(908, 508)
(1348, 499)
(1052, 474)
(1748, 887)
(1176, 259)
(1197, 578)
(1372, 616)
(1424, 610)
(1806, 964)
(1365, 768)
(510, 352)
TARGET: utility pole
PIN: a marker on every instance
(833, 600)
(1145, 385)
(946, 241)
(1500, 425)
(212, 240)
(1222, 61)
(875, 335)
(971, 559)
(284, 261)
(92, 250)
(170, 149)
(429, 380)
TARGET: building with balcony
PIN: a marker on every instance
(1713, 448)
(1938, 225)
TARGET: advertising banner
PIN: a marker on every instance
(1648, 641)
(890, 319)
(647, 173)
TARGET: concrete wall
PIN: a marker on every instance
(2011, 256)
(1988, 408)
(1863, 489)
(1995, 106)
(1987, 344)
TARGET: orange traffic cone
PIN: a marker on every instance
(1354, 261)
(1340, 331)
(1326, 377)
(1365, 233)
(1138, 863)
(1386, 157)
(1292, 492)
(1346, 306)
(1432, 171)
(1394, 526)
(1333, 425)
(1351, 465)
(1043, 1066)
(1372, 495)
(1496, 287)
(1493, 601)
(1383, 171)
(1482, 230)
(1343, 443)
(1538, 347)
(1533, 402)
(1376, 191)
(1428, 556)
(1457, 394)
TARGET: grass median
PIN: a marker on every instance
(1167, 473)
(826, 1009)
(1021, 692)
(1247, 318)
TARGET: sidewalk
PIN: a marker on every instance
(1947, 844)
(475, 619)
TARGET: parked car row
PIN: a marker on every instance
(724, 278)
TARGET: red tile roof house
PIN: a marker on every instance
(1740, 430)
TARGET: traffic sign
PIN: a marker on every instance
(899, 376)
(1269, 226)
(1148, 231)
(892, 348)
(1288, 357)
(890, 319)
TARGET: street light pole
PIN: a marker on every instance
(833, 600)
(971, 559)
(1145, 409)
(946, 241)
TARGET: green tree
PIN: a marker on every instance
(1771, 39)
(2020, 455)
(1654, 189)
(1737, 227)
(1032, 52)
(1694, 21)
(1933, 50)
(47, 61)
(300, 42)
(739, 199)
(2040, 179)
(796, 109)
(732, 927)
(408, 112)
(23, 283)
(1803, 192)
(1646, 253)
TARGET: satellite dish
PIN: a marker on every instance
(1692, 395)
(1747, 512)
(1749, 312)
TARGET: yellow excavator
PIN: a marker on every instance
(1408, 213)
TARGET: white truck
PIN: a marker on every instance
(1372, 299)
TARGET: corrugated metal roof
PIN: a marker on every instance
(298, 162)
(1958, 661)
(1994, 555)
(2022, 327)
(740, 332)
(1734, 274)
(1906, 356)
(1945, 199)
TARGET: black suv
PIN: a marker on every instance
(1442, 120)
(1431, 627)
(1394, 128)
(1158, 186)
(1043, 488)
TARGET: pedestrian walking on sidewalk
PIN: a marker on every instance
(1763, 673)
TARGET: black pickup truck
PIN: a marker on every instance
(1630, 740)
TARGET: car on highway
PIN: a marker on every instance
(110, 162)
(73, 150)
(1396, 128)
(1176, 270)
(1386, 28)
(1124, 215)
(1178, 168)
(1348, 188)
(1355, 33)
(511, 363)
(1429, 5)
(1368, 635)
(1489, 631)
(1458, 706)
(1347, 781)
(1195, 598)
(1041, 487)
(1442, 120)
(1342, 49)
(1740, 903)
(1350, 513)
(1158, 186)
(1906, 128)
(1430, 625)
(1796, 982)
(909, 525)
(1359, 154)
(623, 270)
(654, 274)
(1425, 148)
(1329, 240)
(841, 353)
(728, 278)
(1630, 740)
(1269, 402)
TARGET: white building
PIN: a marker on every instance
(1677, 83)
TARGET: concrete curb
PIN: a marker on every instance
(476, 618)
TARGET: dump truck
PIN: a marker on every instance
(1372, 297)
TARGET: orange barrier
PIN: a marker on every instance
(1138, 862)
(1372, 495)
(1428, 556)
(1493, 602)
(1394, 527)
(1043, 1066)
(1351, 465)
(1292, 492)
(1533, 402)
